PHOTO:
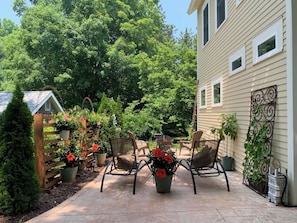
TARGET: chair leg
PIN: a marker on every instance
(227, 181)
(103, 177)
(188, 167)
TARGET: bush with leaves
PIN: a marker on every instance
(19, 187)
(140, 122)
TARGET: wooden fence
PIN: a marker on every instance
(47, 163)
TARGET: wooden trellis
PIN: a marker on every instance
(47, 164)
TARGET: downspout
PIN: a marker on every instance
(291, 18)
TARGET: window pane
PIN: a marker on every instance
(266, 46)
(217, 93)
(203, 98)
(205, 25)
(236, 63)
(220, 12)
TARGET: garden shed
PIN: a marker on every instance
(44, 102)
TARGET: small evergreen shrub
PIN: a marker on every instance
(19, 186)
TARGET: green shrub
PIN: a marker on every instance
(19, 187)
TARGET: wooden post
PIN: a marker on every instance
(38, 139)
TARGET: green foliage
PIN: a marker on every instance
(256, 151)
(229, 127)
(120, 49)
(65, 121)
(19, 187)
(141, 122)
(69, 153)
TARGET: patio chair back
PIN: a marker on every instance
(123, 161)
(204, 161)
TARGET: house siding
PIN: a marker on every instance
(213, 61)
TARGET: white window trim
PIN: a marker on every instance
(202, 26)
(215, 82)
(201, 89)
(274, 30)
(235, 56)
(47, 106)
(216, 15)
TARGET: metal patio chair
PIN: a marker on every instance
(205, 163)
(124, 161)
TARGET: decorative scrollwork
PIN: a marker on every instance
(262, 116)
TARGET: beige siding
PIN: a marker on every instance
(244, 22)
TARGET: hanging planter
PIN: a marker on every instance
(64, 134)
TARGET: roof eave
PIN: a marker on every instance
(194, 5)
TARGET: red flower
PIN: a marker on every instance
(70, 157)
(95, 147)
(158, 153)
(169, 158)
(161, 173)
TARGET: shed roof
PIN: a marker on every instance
(34, 99)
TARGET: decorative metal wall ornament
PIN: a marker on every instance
(258, 144)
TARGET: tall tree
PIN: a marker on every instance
(19, 187)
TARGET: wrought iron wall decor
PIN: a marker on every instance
(258, 144)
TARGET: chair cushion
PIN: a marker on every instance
(203, 158)
(126, 162)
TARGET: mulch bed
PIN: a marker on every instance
(55, 196)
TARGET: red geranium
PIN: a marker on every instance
(95, 147)
(161, 173)
(70, 157)
(169, 158)
(163, 162)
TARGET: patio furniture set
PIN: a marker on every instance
(125, 161)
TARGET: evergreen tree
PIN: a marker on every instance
(19, 187)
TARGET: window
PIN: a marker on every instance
(237, 61)
(217, 92)
(221, 12)
(268, 43)
(203, 97)
(47, 106)
(205, 23)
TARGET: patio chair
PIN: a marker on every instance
(189, 144)
(205, 162)
(124, 161)
(139, 144)
(163, 141)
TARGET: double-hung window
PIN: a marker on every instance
(205, 23)
(203, 96)
(221, 12)
(217, 92)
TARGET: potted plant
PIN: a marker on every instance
(163, 165)
(66, 124)
(99, 150)
(94, 122)
(228, 129)
(69, 154)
